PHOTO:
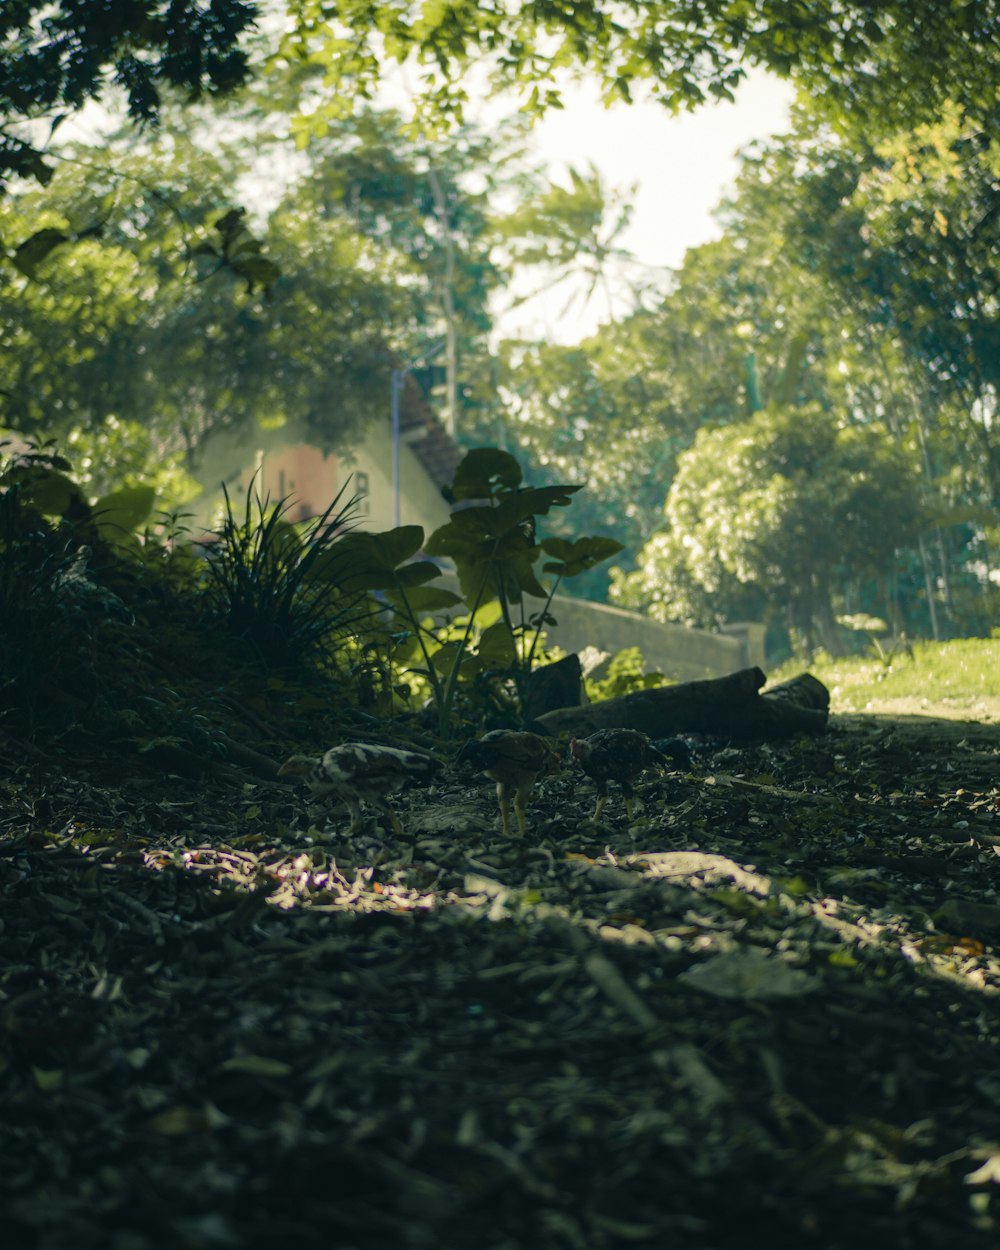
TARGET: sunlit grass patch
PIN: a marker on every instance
(963, 673)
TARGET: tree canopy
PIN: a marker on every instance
(56, 57)
(790, 502)
(895, 58)
(139, 307)
(893, 55)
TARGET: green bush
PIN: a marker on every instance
(623, 673)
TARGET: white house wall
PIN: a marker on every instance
(281, 467)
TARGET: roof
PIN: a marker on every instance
(426, 437)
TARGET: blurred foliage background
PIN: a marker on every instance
(798, 425)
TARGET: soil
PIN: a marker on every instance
(983, 710)
(763, 1012)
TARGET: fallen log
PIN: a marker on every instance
(553, 686)
(731, 706)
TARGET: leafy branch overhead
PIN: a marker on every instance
(889, 56)
(235, 249)
(29, 254)
(56, 57)
(238, 251)
(682, 54)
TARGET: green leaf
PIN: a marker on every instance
(256, 271)
(256, 1065)
(122, 511)
(572, 558)
(335, 565)
(471, 525)
(497, 648)
(519, 577)
(47, 1079)
(46, 489)
(176, 1121)
(27, 161)
(444, 658)
(534, 501)
(384, 550)
(424, 599)
(369, 561)
(476, 582)
(481, 472)
(417, 573)
(36, 248)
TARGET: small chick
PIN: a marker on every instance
(615, 755)
(360, 773)
(515, 759)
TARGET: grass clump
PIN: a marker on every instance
(278, 589)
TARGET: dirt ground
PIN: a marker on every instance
(763, 1013)
(985, 710)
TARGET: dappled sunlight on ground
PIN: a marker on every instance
(985, 710)
(785, 967)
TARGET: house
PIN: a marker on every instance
(398, 481)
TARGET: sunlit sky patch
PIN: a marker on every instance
(680, 166)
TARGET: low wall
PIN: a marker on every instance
(678, 652)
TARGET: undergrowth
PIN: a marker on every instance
(116, 630)
(134, 633)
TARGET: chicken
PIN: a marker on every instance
(360, 773)
(515, 760)
(615, 755)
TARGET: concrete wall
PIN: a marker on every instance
(752, 636)
(676, 651)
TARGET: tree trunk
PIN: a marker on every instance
(925, 564)
(447, 302)
(826, 618)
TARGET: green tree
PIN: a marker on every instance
(56, 57)
(790, 502)
(884, 249)
(854, 276)
(569, 236)
(428, 206)
(142, 306)
(618, 409)
(904, 55)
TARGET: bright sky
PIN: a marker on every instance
(682, 165)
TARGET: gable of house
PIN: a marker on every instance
(282, 464)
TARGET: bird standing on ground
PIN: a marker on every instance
(515, 759)
(615, 755)
(362, 773)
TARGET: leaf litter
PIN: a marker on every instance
(764, 1012)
